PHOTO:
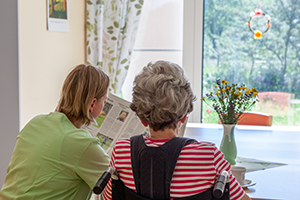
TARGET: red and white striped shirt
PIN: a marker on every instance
(198, 166)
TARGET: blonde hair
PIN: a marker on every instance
(82, 85)
(162, 95)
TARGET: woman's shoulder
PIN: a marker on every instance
(200, 145)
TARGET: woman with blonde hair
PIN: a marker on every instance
(54, 158)
(162, 99)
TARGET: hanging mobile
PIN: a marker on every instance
(258, 13)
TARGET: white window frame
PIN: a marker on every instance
(192, 51)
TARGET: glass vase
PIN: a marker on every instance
(228, 145)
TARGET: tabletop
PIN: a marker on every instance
(271, 144)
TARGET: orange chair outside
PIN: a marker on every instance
(256, 119)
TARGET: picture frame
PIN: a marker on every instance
(57, 15)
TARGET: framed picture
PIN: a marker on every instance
(57, 15)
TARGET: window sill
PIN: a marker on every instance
(245, 127)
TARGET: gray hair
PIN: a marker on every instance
(162, 95)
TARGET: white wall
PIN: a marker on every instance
(45, 58)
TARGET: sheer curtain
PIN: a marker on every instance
(111, 31)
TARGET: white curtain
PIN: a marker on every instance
(111, 31)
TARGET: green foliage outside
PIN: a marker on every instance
(269, 64)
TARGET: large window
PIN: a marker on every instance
(159, 37)
(271, 64)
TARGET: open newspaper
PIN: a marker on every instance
(116, 121)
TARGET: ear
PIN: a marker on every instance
(143, 122)
(92, 104)
(182, 120)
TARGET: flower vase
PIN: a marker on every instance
(228, 146)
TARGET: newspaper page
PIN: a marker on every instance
(116, 121)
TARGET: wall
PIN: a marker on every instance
(9, 92)
(45, 58)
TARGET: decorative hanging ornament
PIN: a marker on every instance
(258, 13)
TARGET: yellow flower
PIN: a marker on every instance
(240, 93)
(239, 88)
(223, 81)
(202, 98)
(253, 90)
(257, 35)
(236, 94)
(224, 90)
(255, 94)
(248, 92)
(226, 96)
(244, 88)
(216, 86)
(226, 82)
(217, 93)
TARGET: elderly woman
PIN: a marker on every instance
(54, 158)
(162, 99)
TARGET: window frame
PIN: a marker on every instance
(192, 51)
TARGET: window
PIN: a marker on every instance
(271, 64)
(159, 37)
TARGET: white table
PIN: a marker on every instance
(273, 144)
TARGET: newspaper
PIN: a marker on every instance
(116, 121)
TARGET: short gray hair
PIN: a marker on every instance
(162, 95)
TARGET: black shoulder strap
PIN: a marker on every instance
(153, 167)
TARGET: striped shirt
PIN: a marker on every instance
(198, 166)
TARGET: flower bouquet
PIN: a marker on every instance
(230, 101)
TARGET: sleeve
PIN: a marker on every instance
(236, 191)
(93, 162)
(107, 192)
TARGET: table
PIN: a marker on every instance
(273, 144)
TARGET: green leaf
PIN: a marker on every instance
(124, 61)
(89, 2)
(138, 6)
(98, 2)
(112, 7)
(87, 43)
(113, 70)
(118, 72)
(102, 2)
(92, 27)
(110, 27)
(95, 38)
(89, 51)
(141, 2)
(113, 59)
(132, 0)
(138, 12)
(111, 51)
(116, 80)
(116, 24)
(129, 9)
(96, 13)
(109, 69)
(96, 22)
(88, 26)
(113, 38)
(126, 67)
(111, 32)
(129, 53)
